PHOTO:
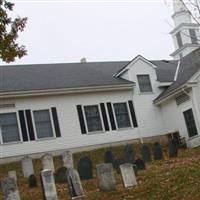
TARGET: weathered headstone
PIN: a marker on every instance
(9, 189)
(61, 175)
(68, 159)
(32, 181)
(27, 166)
(105, 175)
(129, 154)
(74, 183)
(47, 162)
(157, 150)
(48, 185)
(173, 149)
(12, 174)
(85, 168)
(128, 175)
(146, 153)
(108, 157)
(140, 164)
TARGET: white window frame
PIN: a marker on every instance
(34, 125)
(129, 115)
(139, 91)
(19, 130)
(101, 118)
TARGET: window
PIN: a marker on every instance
(93, 118)
(43, 124)
(144, 83)
(122, 115)
(179, 39)
(193, 36)
(190, 123)
(9, 128)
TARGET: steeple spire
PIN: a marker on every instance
(186, 34)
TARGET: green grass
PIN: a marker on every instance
(170, 179)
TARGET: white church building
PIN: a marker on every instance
(54, 107)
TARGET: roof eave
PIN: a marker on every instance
(30, 93)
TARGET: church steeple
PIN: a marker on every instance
(186, 35)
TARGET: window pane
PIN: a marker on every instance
(9, 127)
(144, 83)
(93, 118)
(122, 116)
(190, 123)
(43, 124)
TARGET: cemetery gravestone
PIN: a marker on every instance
(117, 163)
(140, 164)
(47, 162)
(27, 166)
(32, 181)
(128, 175)
(129, 154)
(68, 160)
(146, 153)
(108, 157)
(74, 183)
(48, 185)
(12, 174)
(85, 168)
(106, 179)
(61, 175)
(9, 189)
(173, 149)
(157, 150)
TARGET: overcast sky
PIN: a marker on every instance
(66, 31)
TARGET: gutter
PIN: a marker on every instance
(30, 93)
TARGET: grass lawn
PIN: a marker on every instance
(171, 179)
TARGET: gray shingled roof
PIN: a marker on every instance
(58, 76)
(165, 70)
(189, 65)
(15, 78)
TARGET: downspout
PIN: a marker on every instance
(193, 105)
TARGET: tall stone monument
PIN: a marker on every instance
(27, 166)
(47, 162)
(74, 183)
(68, 160)
(48, 183)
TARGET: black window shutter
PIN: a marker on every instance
(55, 121)
(81, 119)
(110, 112)
(30, 124)
(133, 116)
(105, 119)
(23, 125)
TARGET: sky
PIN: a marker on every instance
(66, 31)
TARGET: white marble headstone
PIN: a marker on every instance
(68, 160)
(9, 189)
(47, 162)
(74, 183)
(48, 183)
(12, 174)
(27, 166)
(128, 175)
